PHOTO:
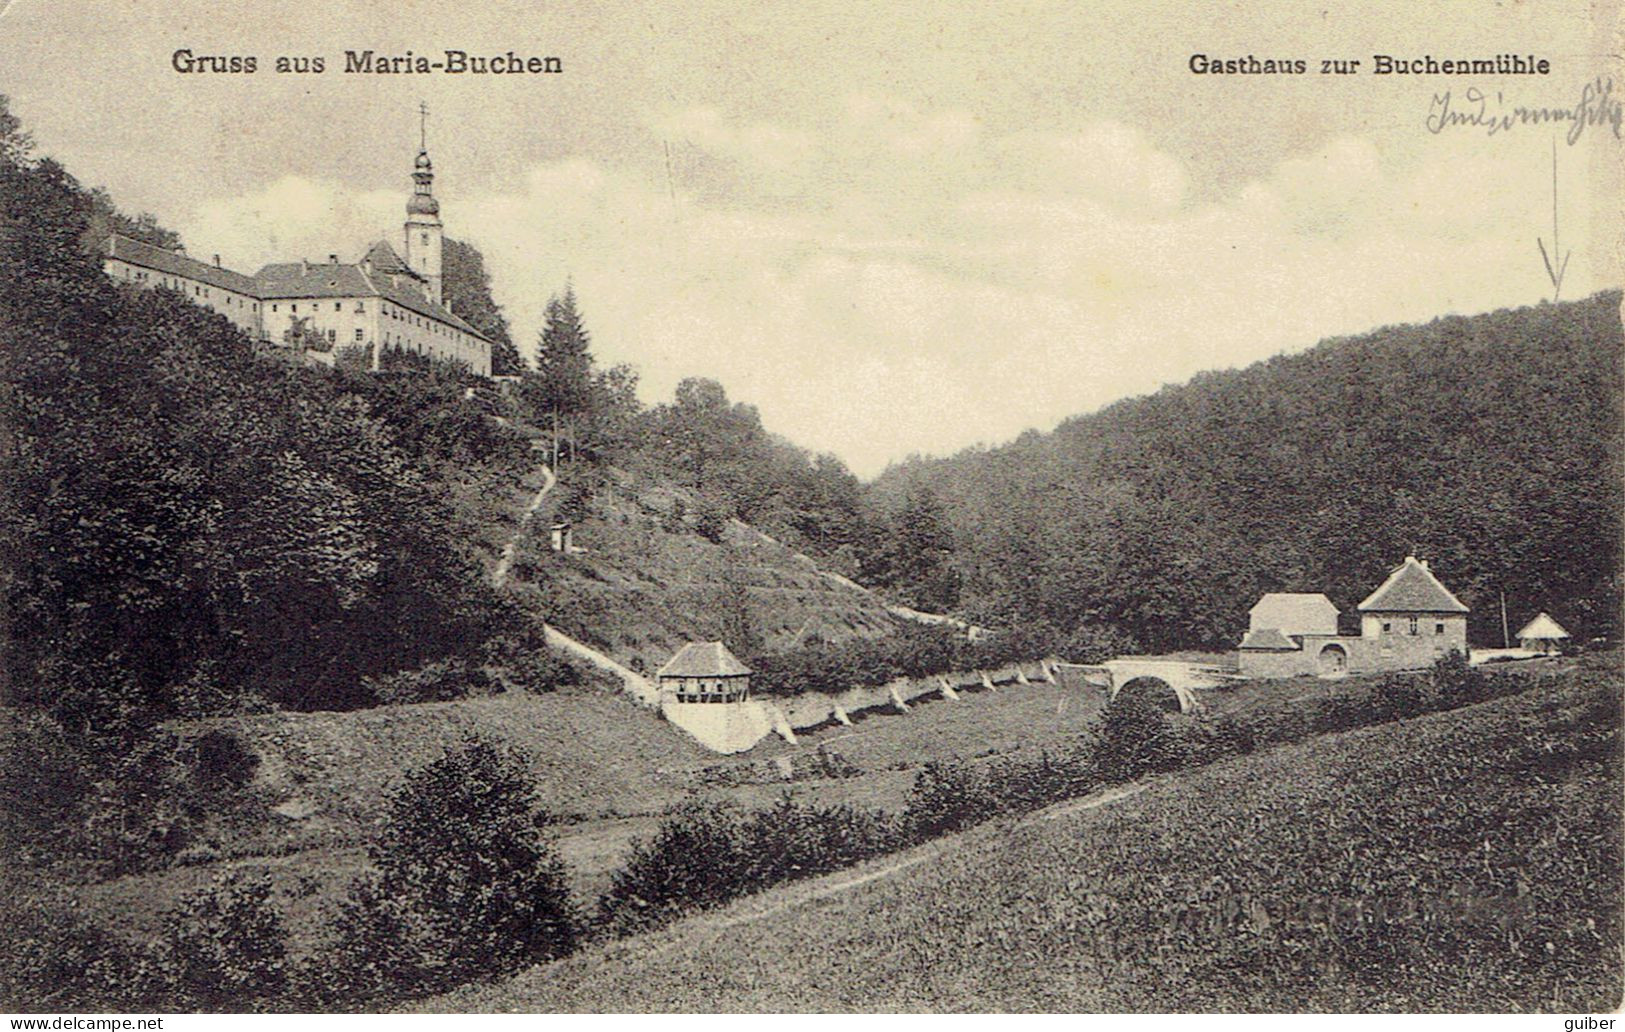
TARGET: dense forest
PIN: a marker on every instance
(1489, 445)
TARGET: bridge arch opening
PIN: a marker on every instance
(1153, 690)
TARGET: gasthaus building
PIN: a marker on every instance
(1408, 622)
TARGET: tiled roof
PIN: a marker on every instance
(1542, 627)
(312, 279)
(324, 279)
(703, 659)
(1268, 638)
(383, 258)
(1412, 588)
(175, 263)
(1295, 613)
(408, 297)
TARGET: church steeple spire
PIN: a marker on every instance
(423, 228)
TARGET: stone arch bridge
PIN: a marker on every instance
(1184, 678)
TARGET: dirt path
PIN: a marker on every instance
(499, 576)
(636, 685)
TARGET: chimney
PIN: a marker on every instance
(332, 259)
(217, 261)
(304, 266)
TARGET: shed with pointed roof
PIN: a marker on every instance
(704, 671)
(1543, 635)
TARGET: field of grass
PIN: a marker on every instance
(1468, 860)
(979, 723)
(593, 753)
(604, 765)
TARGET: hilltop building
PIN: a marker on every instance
(1409, 621)
(383, 301)
(1543, 635)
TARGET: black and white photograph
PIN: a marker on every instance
(734, 508)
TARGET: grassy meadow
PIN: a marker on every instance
(1466, 860)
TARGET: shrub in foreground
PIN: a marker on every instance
(1136, 738)
(948, 796)
(467, 884)
(797, 840)
(56, 961)
(225, 948)
(696, 859)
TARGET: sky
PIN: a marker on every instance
(894, 228)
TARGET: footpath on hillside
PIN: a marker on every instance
(635, 684)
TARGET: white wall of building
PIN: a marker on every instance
(242, 309)
(403, 328)
(345, 321)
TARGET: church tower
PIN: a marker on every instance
(423, 229)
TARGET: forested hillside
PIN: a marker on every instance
(1490, 445)
(189, 527)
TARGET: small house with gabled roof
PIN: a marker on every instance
(1294, 613)
(704, 671)
(1413, 618)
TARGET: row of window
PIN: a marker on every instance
(418, 320)
(740, 696)
(338, 306)
(390, 312)
(177, 283)
(1415, 627)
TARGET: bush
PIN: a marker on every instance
(225, 948)
(1400, 696)
(705, 854)
(467, 884)
(1136, 738)
(1208, 740)
(219, 759)
(380, 949)
(1091, 643)
(56, 961)
(142, 810)
(443, 681)
(43, 789)
(1344, 710)
(793, 840)
(697, 858)
(710, 520)
(947, 797)
(1024, 785)
(1454, 682)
